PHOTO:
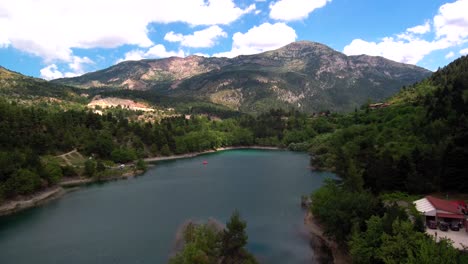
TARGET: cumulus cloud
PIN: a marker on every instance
(450, 55)
(133, 55)
(51, 72)
(407, 51)
(289, 10)
(450, 29)
(421, 29)
(159, 51)
(452, 21)
(76, 67)
(260, 38)
(156, 51)
(464, 51)
(50, 29)
(205, 38)
(78, 63)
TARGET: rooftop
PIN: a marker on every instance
(445, 205)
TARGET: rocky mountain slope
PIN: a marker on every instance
(305, 75)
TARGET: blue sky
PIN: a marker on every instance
(52, 39)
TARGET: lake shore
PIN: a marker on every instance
(322, 245)
(39, 198)
(76, 182)
(195, 154)
(18, 204)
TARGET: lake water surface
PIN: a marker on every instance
(135, 221)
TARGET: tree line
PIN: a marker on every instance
(418, 144)
(30, 135)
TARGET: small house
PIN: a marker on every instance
(441, 210)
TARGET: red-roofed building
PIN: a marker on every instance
(443, 210)
(446, 206)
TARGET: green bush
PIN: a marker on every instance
(69, 171)
(90, 168)
(53, 172)
(23, 182)
(123, 155)
(141, 165)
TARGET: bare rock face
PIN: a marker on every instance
(305, 75)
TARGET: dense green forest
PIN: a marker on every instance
(417, 143)
(30, 135)
(374, 229)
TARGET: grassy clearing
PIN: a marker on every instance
(72, 158)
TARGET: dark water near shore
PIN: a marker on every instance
(135, 221)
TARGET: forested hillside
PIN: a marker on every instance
(31, 135)
(18, 86)
(417, 144)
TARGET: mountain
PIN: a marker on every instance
(16, 85)
(147, 74)
(305, 75)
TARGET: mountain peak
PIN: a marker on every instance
(301, 44)
(302, 48)
(307, 75)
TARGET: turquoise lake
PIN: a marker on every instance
(136, 220)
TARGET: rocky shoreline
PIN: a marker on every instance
(14, 206)
(85, 181)
(326, 251)
(195, 154)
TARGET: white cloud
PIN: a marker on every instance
(450, 55)
(50, 29)
(78, 63)
(396, 49)
(421, 29)
(76, 67)
(450, 28)
(133, 55)
(464, 51)
(452, 21)
(156, 51)
(159, 51)
(199, 39)
(260, 38)
(289, 10)
(51, 72)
